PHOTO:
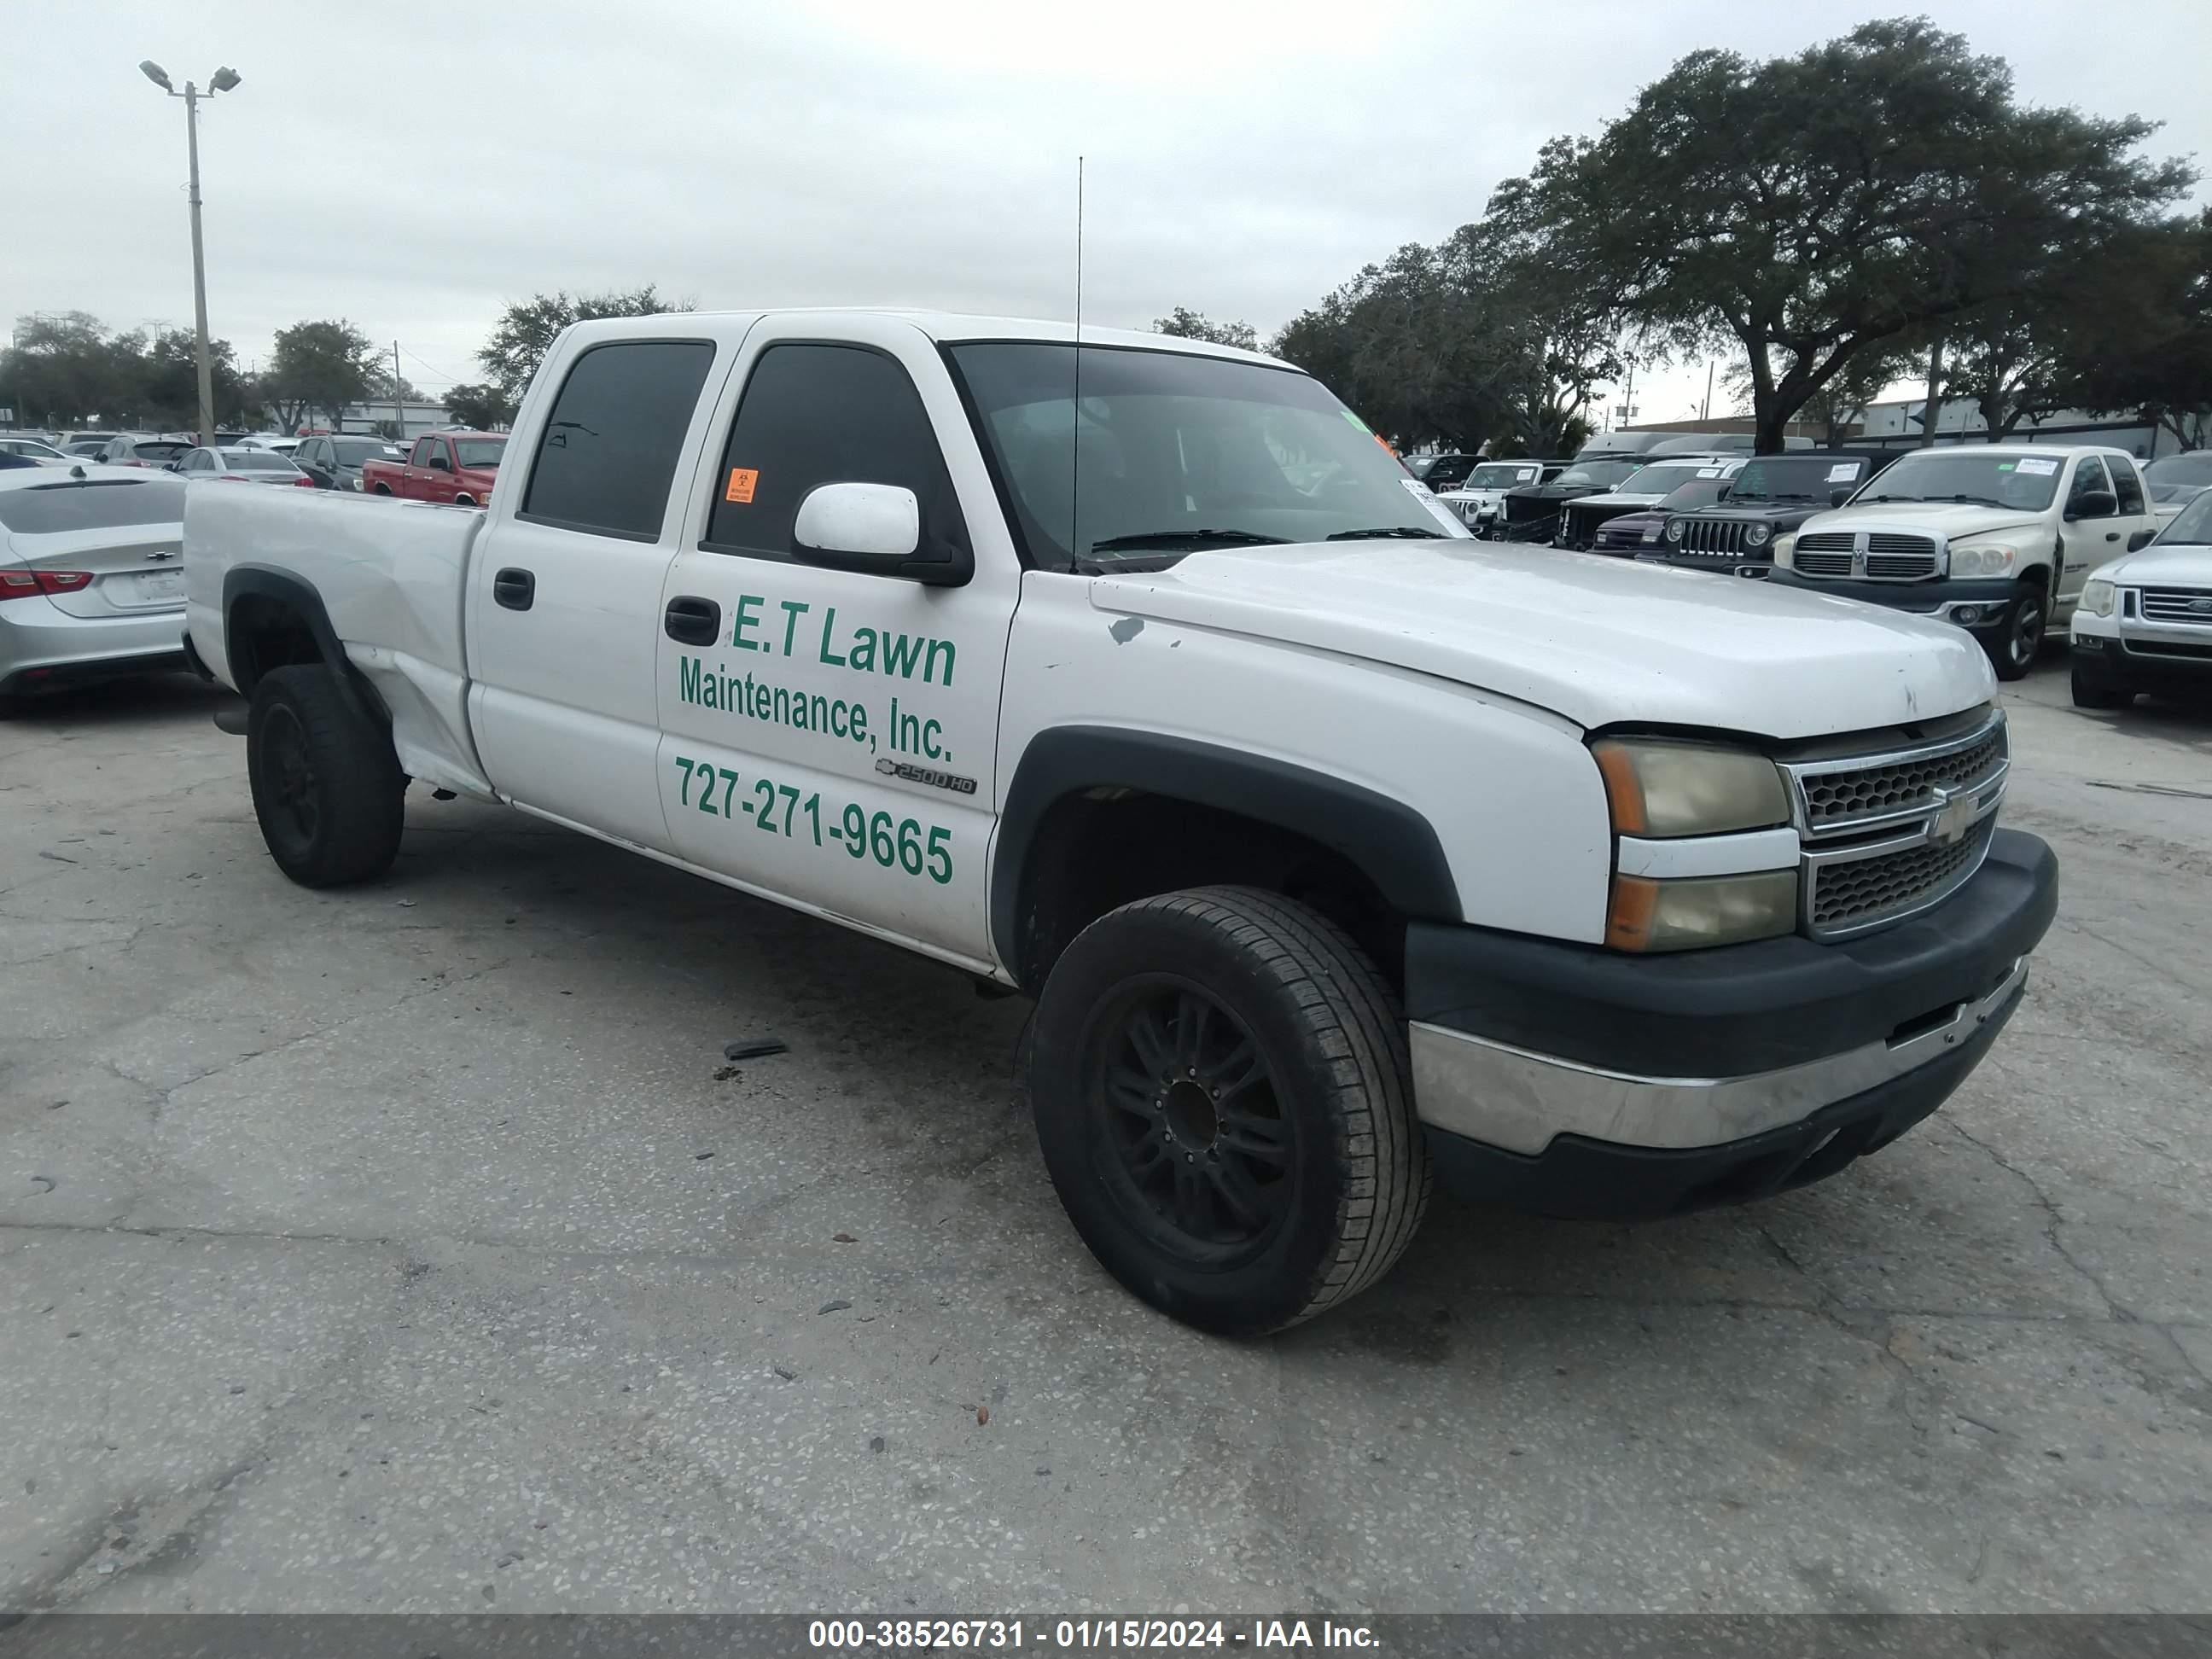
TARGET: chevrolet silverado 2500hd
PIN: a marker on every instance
(1335, 847)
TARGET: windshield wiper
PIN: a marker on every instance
(1185, 537)
(1389, 533)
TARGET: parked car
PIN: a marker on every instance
(335, 463)
(1644, 488)
(458, 468)
(1476, 501)
(36, 449)
(91, 580)
(1633, 530)
(143, 451)
(1442, 473)
(2174, 480)
(235, 465)
(89, 445)
(1768, 496)
(1998, 538)
(2145, 620)
(1531, 513)
(1330, 852)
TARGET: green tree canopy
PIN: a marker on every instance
(1806, 208)
(1188, 324)
(481, 405)
(319, 367)
(69, 370)
(525, 331)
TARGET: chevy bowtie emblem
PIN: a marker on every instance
(162, 553)
(1954, 816)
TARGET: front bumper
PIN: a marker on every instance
(1571, 1080)
(1975, 604)
(42, 648)
(2119, 651)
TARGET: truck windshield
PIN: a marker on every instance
(2025, 482)
(480, 452)
(2194, 526)
(1598, 475)
(1503, 474)
(1775, 478)
(1657, 480)
(1177, 453)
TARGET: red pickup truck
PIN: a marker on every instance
(455, 467)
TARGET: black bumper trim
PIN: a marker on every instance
(1922, 597)
(60, 676)
(1583, 1179)
(1739, 1008)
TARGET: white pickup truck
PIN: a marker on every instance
(1335, 847)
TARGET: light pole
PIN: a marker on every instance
(222, 81)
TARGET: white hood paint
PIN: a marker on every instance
(2185, 564)
(1951, 520)
(1600, 641)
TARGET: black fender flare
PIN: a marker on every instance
(1387, 841)
(298, 595)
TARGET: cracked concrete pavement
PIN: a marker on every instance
(413, 1248)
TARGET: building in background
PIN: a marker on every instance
(414, 416)
(1896, 424)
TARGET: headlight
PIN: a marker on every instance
(1675, 529)
(1983, 559)
(1783, 547)
(1650, 533)
(1684, 914)
(1757, 535)
(1661, 789)
(2097, 598)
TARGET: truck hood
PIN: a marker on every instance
(1600, 641)
(1950, 520)
(2185, 564)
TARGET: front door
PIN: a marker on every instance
(431, 472)
(832, 734)
(564, 611)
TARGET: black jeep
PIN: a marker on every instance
(1767, 499)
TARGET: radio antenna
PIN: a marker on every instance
(1075, 407)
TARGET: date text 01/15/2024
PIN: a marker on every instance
(1085, 1635)
(906, 845)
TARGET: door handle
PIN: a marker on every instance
(514, 589)
(2112, 535)
(693, 621)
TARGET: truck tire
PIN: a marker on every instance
(327, 787)
(2015, 642)
(2097, 692)
(1248, 1037)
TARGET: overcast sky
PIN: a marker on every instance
(412, 168)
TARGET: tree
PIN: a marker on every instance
(526, 331)
(1840, 406)
(1189, 324)
(1807, 208)
(319, 367)
(481, 405)
(66, 371)
(2149, 352)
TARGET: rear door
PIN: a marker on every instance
(96, 547)
(832, 734)
(565, 594)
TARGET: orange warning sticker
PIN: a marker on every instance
(741, 480)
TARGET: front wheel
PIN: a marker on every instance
(2091, 692)
(2016, 643)
(327, 787)
(1224, 1104)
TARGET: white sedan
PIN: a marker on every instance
(250, 466)
(31, 450)
(92, 583)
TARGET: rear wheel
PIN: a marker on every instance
(327, 787)
(1224, 1101)
(2015, 643)
(2093, 691)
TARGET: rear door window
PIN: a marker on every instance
(2127, 486)
(614, 437)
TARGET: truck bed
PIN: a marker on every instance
(392, 577)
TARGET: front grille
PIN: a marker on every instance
(1900, 558)
(1836, 799)
(2174, 605)
(1522, 510)
(1581, 523)
(1722, 537)
(1824, 553)
(1858, 893)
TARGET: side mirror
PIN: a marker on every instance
(1839, 495)
(437, 464)
(2096, 504)
(2141, 539)
(875, 527)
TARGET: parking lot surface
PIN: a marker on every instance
(414, 1248)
